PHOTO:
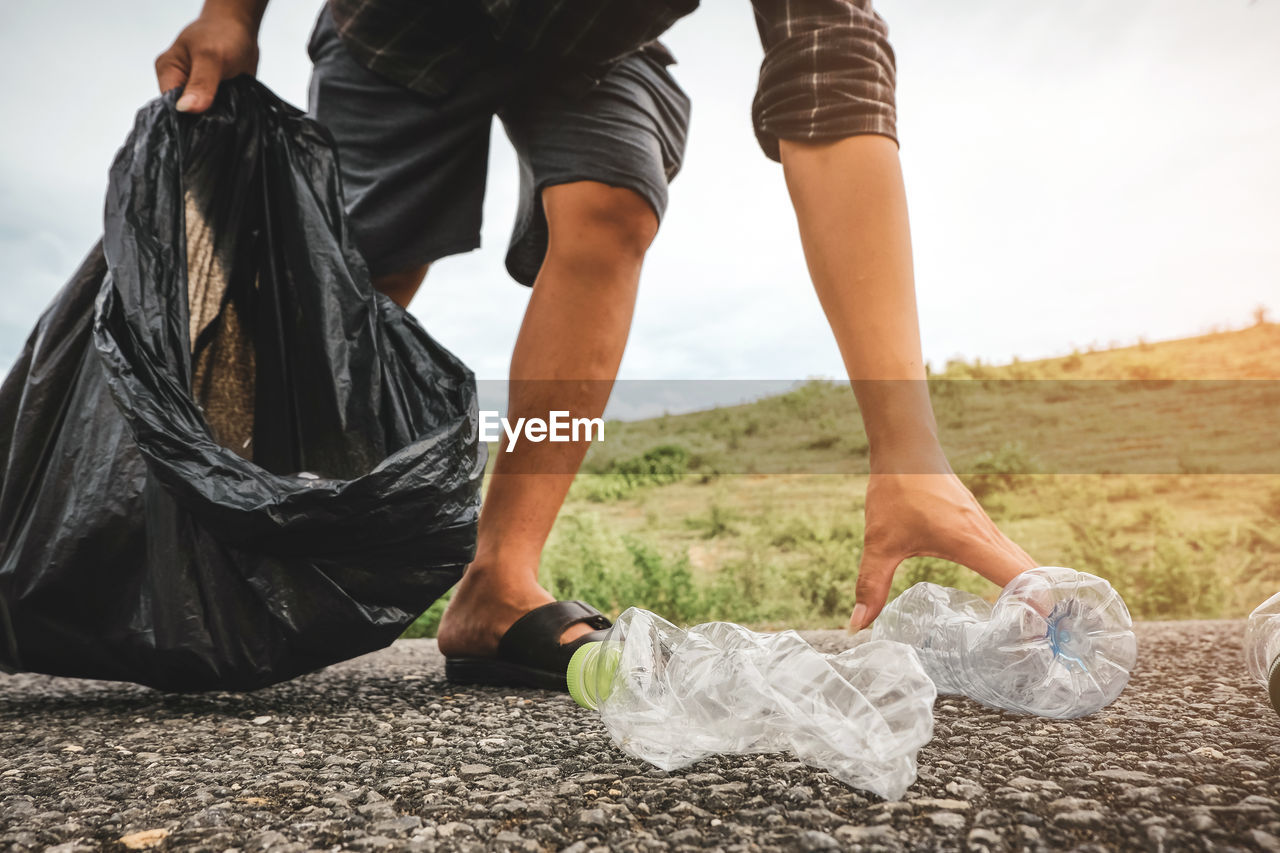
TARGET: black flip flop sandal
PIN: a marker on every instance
(530, 654)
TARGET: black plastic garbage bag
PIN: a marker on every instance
(226, 460)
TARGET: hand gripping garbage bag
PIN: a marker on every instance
(226, 460)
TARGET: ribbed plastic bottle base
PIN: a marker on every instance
(1273, 684)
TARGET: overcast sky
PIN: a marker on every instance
(1077, 172)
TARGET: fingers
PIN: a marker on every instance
(1023, 558)
(202, 84)
(171, 68)
(875, 577)
(993, 555)
(928, 517)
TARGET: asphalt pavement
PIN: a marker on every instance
(381, 754)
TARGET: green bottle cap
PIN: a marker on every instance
(591, 671)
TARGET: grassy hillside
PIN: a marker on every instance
(1252, 353)
(1153, 465)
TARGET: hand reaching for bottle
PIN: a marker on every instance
(927, 515)
(218, 45)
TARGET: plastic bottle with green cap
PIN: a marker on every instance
(1057, 642)
(672, 696)
(1262, 647)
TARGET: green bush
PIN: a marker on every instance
(749, 589)
(999, 470)
(717, 522)
(798, 569)
(600, 488)
(662, 464)
(1165, 570)
(428, 624)
(621, 478)
(813, 584)
(942, 572)
(585, 561)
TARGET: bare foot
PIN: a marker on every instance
(485, 604)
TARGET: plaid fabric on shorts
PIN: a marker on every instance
(828, 70)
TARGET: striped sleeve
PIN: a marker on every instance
(828, 72)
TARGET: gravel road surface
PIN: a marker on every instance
(380, 754)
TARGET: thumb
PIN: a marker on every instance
(202, 84)
(875, 577)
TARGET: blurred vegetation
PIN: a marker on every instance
(428, 623)
(681, 515)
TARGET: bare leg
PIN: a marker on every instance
(401, 286)
(573, 334)
(852, 210)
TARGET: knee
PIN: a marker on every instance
(597, 223)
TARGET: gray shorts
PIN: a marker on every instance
(413, 167)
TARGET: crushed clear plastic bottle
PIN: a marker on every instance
(672, 696)
(1262, 647)
(1057, 642)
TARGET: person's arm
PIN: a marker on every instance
(825, 108)
(852, 211)
(220, 44)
